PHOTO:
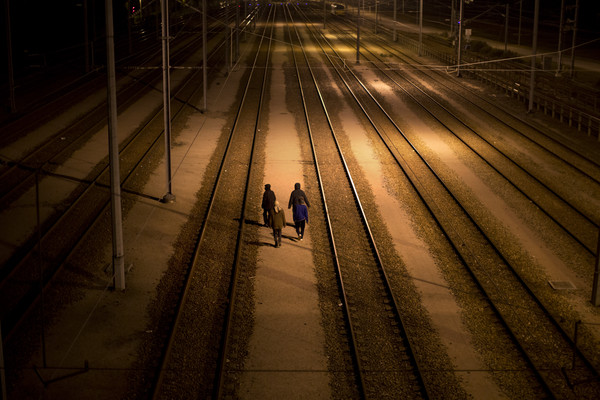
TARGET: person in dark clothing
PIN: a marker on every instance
(295, 197)
(268, 202)
(300, 218)
(277, 219)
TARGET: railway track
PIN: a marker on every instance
(385, 363)
(538, 181)
(64, 222)
(384, 360)
(43, 98)
(218, 249)
(512, 298)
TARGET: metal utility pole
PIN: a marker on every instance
(574, 36)
(536, 18)
(420, 26)
(560, 37)
(204, 62)
(168, 197)
(358, 34)
(506, 30)
(376, 15)
(520, 20)
(596, 284)
(113, 144)
(395, 37)
(11, 76)
(460, 18)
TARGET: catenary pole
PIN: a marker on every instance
(113, 144)
(204, 62)
(460, 18)
(536, 17)
(9, 59)
(168, 197)
(420, 26)
(358, 34)
(506, 29)
(377, 15)
(560, 37)
(596, 284)
(395, 38)
(574, 38)
(2, 367)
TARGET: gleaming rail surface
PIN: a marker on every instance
(385, 362)
(524, 174)
(547, 360)
(220, 236)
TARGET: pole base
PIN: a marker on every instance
(168, 198)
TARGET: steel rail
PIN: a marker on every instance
(505, 112)
(565, 336)
(11, 318)
(384, 276)
(414, 181)
(32, 171)
(92, 120)
(589, 247)
(220, 377)
(169, 348)
(360, 379)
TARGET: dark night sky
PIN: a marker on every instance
(46, 26)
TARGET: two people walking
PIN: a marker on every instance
(274, 215)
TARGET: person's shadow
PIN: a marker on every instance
(263, 243)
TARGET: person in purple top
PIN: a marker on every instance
(300, 217)
(296, 195)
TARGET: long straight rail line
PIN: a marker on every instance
(425, 196)
(221, 372)
(20, 294)
(568, 341)
(589, 245)
(502, 120)
(585, 217)
(38, 168)
(165, 373)
(416, 371)
(472, 94)
(16, 174)
(355, 356)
